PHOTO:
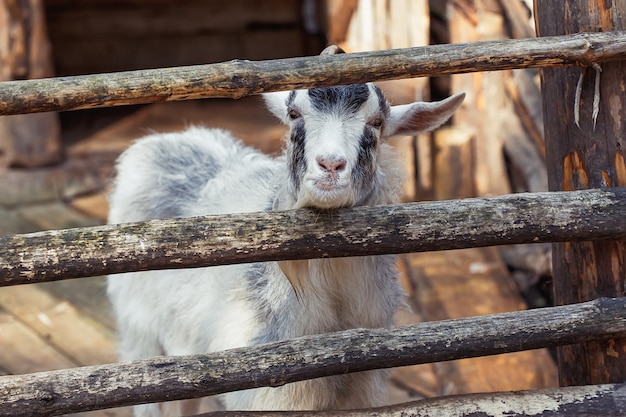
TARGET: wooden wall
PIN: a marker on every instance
(92, 36)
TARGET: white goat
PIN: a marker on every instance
(335, 156)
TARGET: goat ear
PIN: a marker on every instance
(412, 119)
(277, 104)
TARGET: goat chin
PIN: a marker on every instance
(315, 197)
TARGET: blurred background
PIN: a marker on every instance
(55, 168)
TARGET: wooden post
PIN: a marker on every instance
(26, 140)
(586, 151)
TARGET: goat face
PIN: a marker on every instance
(332, 147)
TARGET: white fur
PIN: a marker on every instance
(207, 171)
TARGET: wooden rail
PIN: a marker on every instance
(275, 364)
(305, 234)
(215, 240)
(239, 78)
(607, 400)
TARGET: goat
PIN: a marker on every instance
(335, 156)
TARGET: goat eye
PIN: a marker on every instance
(376, 123)
(293, 114)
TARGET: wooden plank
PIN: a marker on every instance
(123, 54)
(94, 206)
(26, 141)
(586, 152)
(588, 401)
(482, 109)
(95, 37)
(85, 341)
(12, 223)
(339, 14)
(527, 168)
(270, 44)
(524, 90)
(55, 215)
(473, 282)
(453, 163)
(87, 295)
(43, 185)
(23, 351)
(518, 18)
(136, 19)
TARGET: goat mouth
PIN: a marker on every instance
(326, 193)
(326, 190)
(328, 185)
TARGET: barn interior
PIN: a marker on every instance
(57, 167)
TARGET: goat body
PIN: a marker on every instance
(335, 156)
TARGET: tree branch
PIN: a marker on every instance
(275, 364)
(238, 78)
(307, 234)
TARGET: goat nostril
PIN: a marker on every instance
(331, 165)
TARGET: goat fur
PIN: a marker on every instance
(207, 171)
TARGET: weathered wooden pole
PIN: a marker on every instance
(585, 133)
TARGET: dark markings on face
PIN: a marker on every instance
(291, 98)
(363, 173)
(382, 101)
(347, 98)
(297, 162)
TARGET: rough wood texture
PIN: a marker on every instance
(339, 14)
(120, 35)
(518, 18)
(22, 350)
(84, 341)
(474, 282)
(486, 106)
(51, 184)
(588, 401)
(523, 142)
(306, 234)
(239, 78)
(580, 156)
(171, 378)
(453, 165)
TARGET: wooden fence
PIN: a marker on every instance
(214, 240)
